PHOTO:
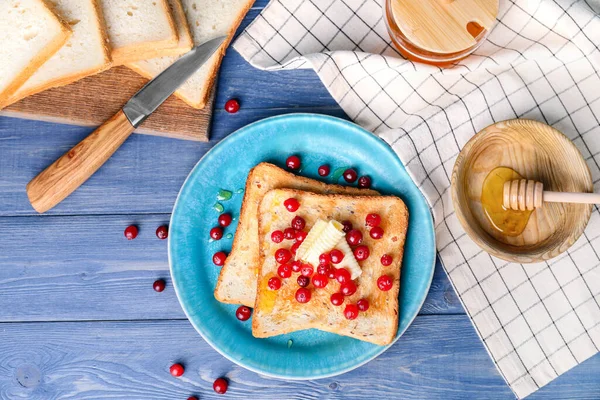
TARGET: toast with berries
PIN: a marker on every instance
(237, 280)
(281, 305)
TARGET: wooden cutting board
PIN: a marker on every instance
(93, 100)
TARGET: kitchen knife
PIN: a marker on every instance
(71, 170)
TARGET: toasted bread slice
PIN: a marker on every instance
(277, 312)
(237, 281)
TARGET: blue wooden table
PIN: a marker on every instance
(79, 318)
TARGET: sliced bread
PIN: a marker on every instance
(207, 19)
(277, 311)
(138, 29)
(185, 42)
(237, 280)
(85, 53)
(30, 33)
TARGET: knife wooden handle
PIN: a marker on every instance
(71, 170)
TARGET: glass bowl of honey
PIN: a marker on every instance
(439, 32)
(520, 149)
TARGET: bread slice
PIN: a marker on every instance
(237, 280)
(85, 53)
(30, 33)
(139, 29)
(207, 19)
(185, 42)
(277, 312)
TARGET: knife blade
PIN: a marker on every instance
(151, 96)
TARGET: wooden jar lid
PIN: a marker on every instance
(444, 26)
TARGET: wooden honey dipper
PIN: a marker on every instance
(523, 194)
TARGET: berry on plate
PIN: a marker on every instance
(293, 162)
(219, 258)
(243, 313)
(225, 220)
(324, 170)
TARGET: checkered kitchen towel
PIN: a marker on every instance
(541, 61)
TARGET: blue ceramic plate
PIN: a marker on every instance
(318, 140)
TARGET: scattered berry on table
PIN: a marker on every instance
(336, 256)
(385, 283)
(348, 288)
(131, 232)
(162, 232)
(307, 270)
(192, 398)
(324, 170)
(324, 259)
(216, 233)
(243, 313)
(225, 220)
(364, 182)
(232, 106)
(300, 236)
(376, 233)
(303, 281)
(363, 304)
(274, 283)
(282, 256)
(361, 253)
(277, 236)
(291, 204)
(351, 311)
(293, 162)
(296, 266)
(337, 299)
(177, 370)
(289, 233)
(347, 226)
(219, 258)
(159, 285)
(298, 223)
(354, 237)
(342, 275)
(220, 385)
(320, 281)
(373, 220)
(386, 260)
(350, 175)
(284, 270)
(303, 295)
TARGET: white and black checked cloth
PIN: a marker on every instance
(541, 61)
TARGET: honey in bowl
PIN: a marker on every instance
(506, 221)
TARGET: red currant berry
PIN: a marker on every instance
(348, 288)
(354, 237)
(337, 299)
(159, 285)
(347, 226)
(277, 236)
(192, 398)
(351, 311)
(320, 281)
(243, 313)
(331, 273)
(376, 233)
(282, 256)
(386, 260)
(363, 304)
(291, 204)
(342, 275)
(274, 283)
(303, 295)
(324, 259)
(361, 253)
(296, 266)
(336, 256)
(324, 269)
(284, 270)
(307, 270)
(303, 281)
(295, 248)
(364, 182)
(232, 106)
(324, 170)
(220, 385)
(219, 258)
(131, 232)
(177, 370)
(162, 232)
(216, 233)
(373, 220)
(350, 175)
(225, 220)
(298, 223)
(385, 283)
(289, 233)
(300, 236)
(293, 162)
